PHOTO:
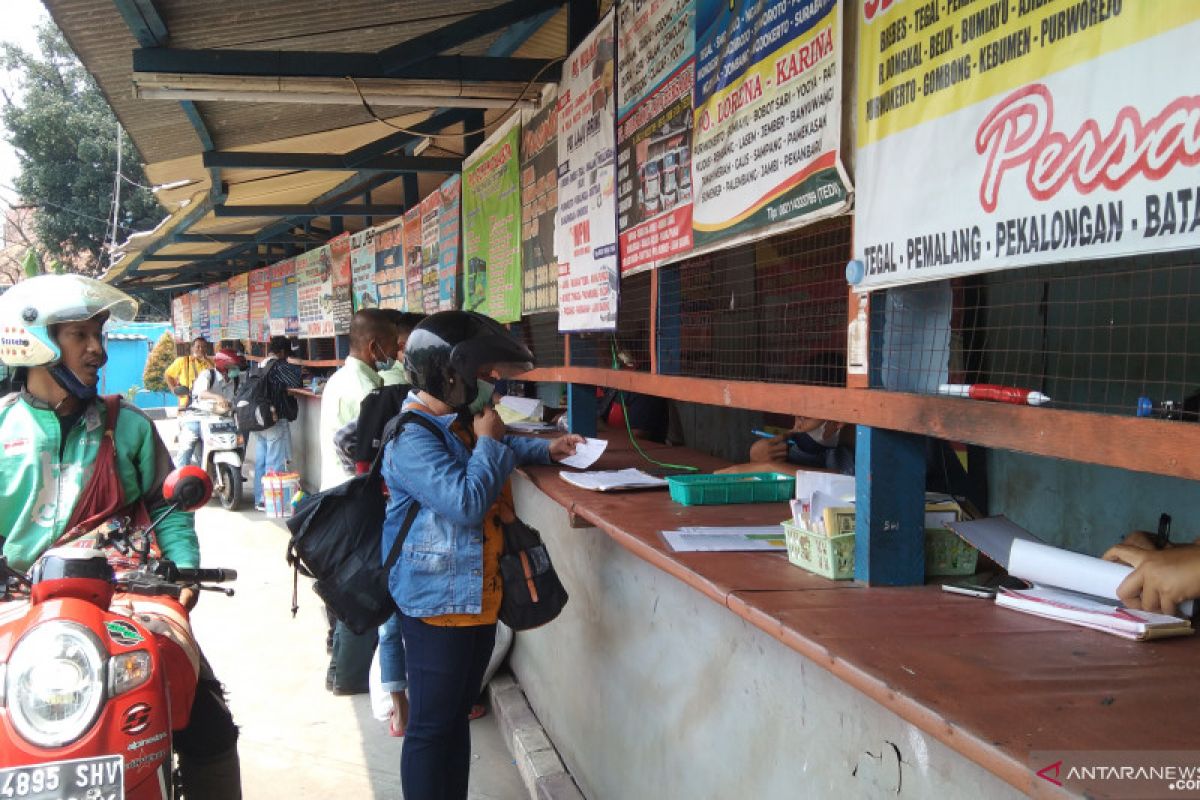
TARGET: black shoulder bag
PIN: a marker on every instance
(337, 539)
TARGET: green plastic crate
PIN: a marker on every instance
(747, 487)
(833, 556)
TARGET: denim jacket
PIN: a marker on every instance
(440, 569)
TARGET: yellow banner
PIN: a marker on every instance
(919, 60)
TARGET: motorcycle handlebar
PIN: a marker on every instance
(192, 575)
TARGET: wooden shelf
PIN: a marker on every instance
(1142, 445)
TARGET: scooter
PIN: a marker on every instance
(222, 453)
(98, 668)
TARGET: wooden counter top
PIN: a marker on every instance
(992, 684)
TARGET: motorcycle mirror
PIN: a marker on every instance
(187, 487)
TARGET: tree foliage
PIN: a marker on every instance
(65, 135)
(157, 362)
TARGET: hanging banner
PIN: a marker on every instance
(259, 291)
(491, 206)
(314, 293)
(179, 323)
(285, 306)
(586, 225)
(362, 270)
(414, 262)
(200, 310)
(655, 78)
(390, 280)
(768, 117)
(238, 300)
(1009, 135)
(216, 310)
(539, 203)
(448, 222)
(430, 250)
(342, 307)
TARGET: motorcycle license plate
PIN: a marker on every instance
(100, 778)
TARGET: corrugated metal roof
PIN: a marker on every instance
(170, 145)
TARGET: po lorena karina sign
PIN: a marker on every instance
(1019, 132)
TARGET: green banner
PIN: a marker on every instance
(491, 203)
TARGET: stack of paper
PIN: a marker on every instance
(1090, 612)
(612, 480)
(1070, 587)
(726, 539)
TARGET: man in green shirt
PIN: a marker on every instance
(52, 331)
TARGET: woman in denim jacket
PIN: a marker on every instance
(447, 579)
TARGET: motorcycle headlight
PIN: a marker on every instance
(55, 683)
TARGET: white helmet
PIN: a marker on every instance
(28, 309)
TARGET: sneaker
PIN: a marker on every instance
(260, 507)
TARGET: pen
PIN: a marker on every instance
(991, 391)
(1163, 537)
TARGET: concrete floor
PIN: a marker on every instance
(299, 741)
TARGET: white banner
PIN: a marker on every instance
(1012, 134)
(586, 225)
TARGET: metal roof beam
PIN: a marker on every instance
(405, 54)
(143, 21)
(292, 161)
(308, 211)
(318, 64)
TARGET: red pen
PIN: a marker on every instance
(995, 392)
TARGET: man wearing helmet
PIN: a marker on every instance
(51, 330)
(446, 582)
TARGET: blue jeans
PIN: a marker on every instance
(272, 451)
(392, 666)
(445, 670)
(190, 446)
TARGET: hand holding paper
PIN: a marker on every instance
(587, 451)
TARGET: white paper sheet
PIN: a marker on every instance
(683, 542)
(610, 480)
(586, 453)
(527, 407)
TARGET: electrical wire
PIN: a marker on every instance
(486, 126)
(629, 427)
(8, 188)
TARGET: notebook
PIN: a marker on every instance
(612, 480)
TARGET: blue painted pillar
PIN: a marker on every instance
(581, 409)
(889, 543)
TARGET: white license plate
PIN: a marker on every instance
(100, 778)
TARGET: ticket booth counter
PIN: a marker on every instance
(739, 675)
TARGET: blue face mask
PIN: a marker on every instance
(385, 365)
(234, 372)
(483, 395)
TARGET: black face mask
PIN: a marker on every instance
(73, 386)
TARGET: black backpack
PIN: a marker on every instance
(261, 401)
(378, 408)
(337, 539)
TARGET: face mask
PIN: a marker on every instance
(483, 394)
(385, 365)
(234, 372)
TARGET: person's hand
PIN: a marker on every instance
(564, 446)
(188, 597)
(1143, 540)
(773, 449)
(1161, 579)
(488, 423)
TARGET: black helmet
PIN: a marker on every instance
(446, 352)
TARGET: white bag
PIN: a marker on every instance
(381, 701)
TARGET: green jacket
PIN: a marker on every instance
(38, 493)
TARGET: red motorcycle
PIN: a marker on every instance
(98, 668)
